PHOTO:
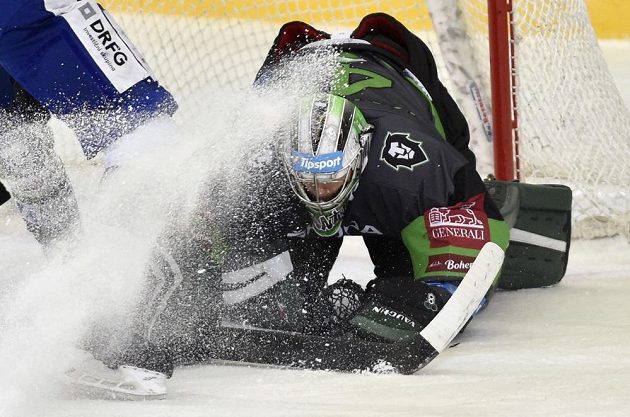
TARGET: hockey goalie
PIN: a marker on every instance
(378, 149)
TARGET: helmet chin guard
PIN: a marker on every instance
(324, 156)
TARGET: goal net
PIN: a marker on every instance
(572, 125)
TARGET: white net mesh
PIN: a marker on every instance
(222, 44)
(573, 125)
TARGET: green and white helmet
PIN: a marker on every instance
(324, 156)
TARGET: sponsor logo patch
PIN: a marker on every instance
(449, 262)
(400, 150)
(464, 225)
(318, 164)
(105, 43)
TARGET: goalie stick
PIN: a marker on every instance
(291, 349)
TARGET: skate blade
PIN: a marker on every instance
(101, 393)
(119, 386)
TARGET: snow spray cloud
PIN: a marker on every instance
(96, 278)
(272, 101)
(45, 315)
(243, 156)
(99, 277)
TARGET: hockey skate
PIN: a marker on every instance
(92, 379)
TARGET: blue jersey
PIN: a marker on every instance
(7, 95)
(74, 60)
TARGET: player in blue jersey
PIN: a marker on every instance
(69, 59)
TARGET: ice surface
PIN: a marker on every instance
(560, 351)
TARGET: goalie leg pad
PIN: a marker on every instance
(265, 294)
(539, 217)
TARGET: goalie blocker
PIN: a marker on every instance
(539, 217)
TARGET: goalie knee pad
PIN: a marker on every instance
(180, 298)
(396, 309)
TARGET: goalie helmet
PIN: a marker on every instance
(324, 155)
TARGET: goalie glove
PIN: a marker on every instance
(396, 309)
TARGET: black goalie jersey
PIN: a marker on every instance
(420, 206)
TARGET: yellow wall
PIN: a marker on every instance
(610, 18)
(280, 12)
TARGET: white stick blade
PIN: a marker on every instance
(465, 300)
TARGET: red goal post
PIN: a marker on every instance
(503, 80)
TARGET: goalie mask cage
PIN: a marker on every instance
(547, 104)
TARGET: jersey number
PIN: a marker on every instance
(368, 79)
